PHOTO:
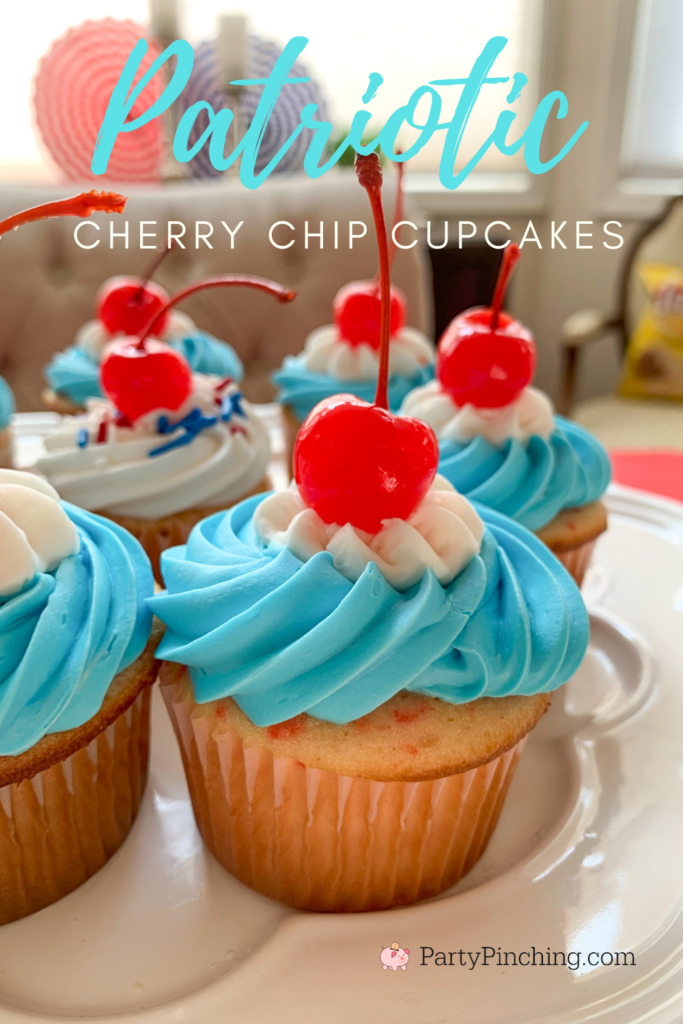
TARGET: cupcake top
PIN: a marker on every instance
(518, 459)
(73, 612)
(211, 450)
(75, 372)
(344, 356)
(499, 442)
(286, 613)
(7, 406)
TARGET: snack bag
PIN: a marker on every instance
(654, 359)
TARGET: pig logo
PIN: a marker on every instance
(394, 957)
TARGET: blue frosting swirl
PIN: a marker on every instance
(284, 636)
(7, 406)
(302, 389)
(66, 635)
(76, 375)
(529, 482)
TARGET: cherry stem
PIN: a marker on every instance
(219, 281)
(82, 205)
(152, 269)
(398, 211)
(369, 173)
(510, 257)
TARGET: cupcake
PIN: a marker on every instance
(343, 357)
(166, 448)
(124, 307)
(7, 410)
(499, 440)
(352, 665)
(75, 677)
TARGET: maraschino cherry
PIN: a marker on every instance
(484, 357)
(125, 305)
(140, 374)
(357, 306)
(355, 462)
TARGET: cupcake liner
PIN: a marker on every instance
(317, 840)
(62, 825)
(157, 535)
(577, 560)
(6, 453)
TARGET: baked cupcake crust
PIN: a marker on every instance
(55, 402)
(157, 535)
(123, 691)
(574, 526)
(410, 738)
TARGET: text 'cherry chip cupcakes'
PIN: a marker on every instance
(166, 447)
(7, 409)
(125, 306)
(343, 357)
(77, 660)
(499, 442)
(352, 665)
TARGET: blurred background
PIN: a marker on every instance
(617, 61)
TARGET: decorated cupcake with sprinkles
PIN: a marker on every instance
(352, 665)
(125, 306)
(344, 356)
(166, 446)
(499, 440)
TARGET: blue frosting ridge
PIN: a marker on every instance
(530, 482)
(66, 635)
(301, 389)
(284, 636)
(76, 375)
(7, 406)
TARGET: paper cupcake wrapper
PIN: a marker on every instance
(61, 826)
(321, 841)
(577, 560)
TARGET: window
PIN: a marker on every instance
(409, 44)
(652, 145)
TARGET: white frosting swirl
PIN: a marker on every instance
(93, 335)
(530, 414)
(325, 352)
(443, 534)
(35, 532)
(219, 466)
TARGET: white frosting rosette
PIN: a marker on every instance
(138, 470)
(326, 352)
(443, 534)
(35, 532)
(531, 414)
(93, 336)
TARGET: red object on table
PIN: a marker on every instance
(650, 469)
(71, 90)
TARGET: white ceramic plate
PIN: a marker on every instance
(588, 857)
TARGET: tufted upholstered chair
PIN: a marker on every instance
(48, 283)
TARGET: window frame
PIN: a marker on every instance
(629, 195)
